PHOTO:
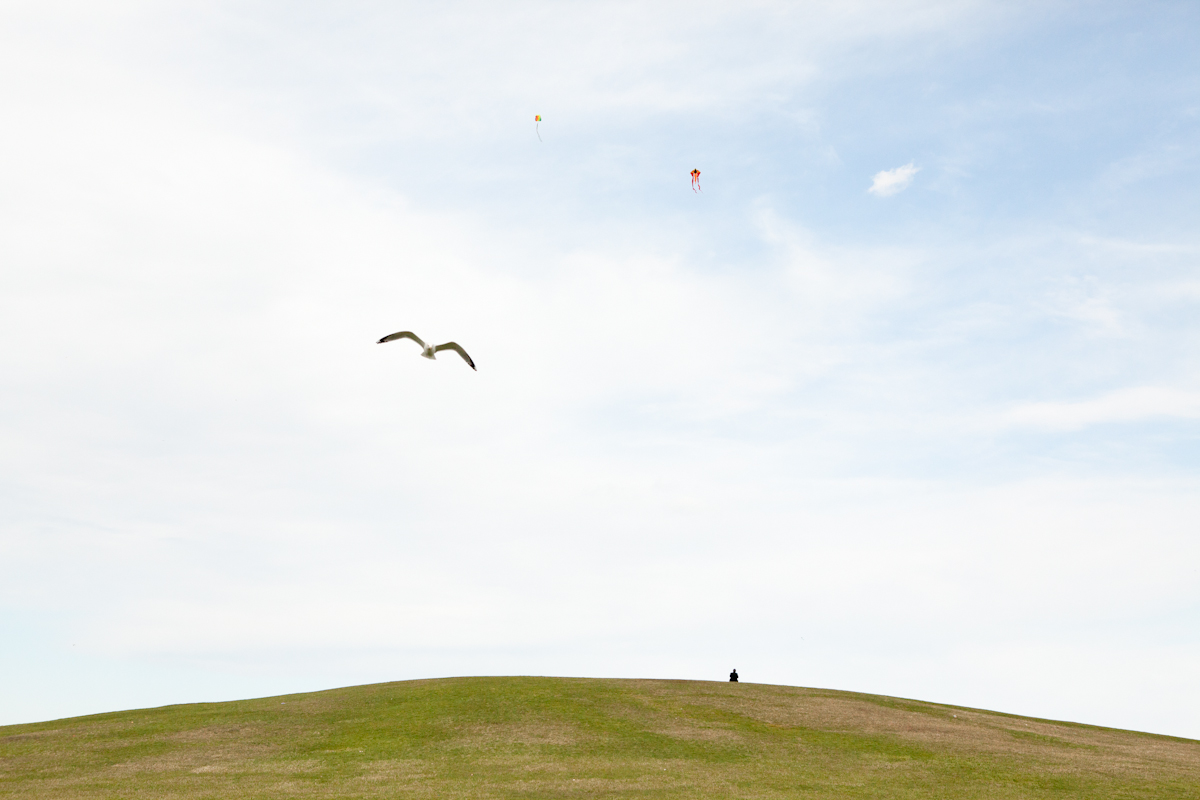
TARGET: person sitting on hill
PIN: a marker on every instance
(733, 676)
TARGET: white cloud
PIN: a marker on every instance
(1126, 405)
(892, 181)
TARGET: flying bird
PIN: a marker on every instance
(429, 351)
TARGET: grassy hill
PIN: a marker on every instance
(577, 738)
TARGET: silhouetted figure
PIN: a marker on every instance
(733, 677)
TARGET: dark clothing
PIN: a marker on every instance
(733, 677)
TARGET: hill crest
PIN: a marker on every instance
(535, 737)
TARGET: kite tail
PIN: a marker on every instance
(538, 132)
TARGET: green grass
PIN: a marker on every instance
(576, 738)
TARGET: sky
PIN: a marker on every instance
(906, 400)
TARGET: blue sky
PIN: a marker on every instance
(939, 443)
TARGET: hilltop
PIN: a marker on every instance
(569, 737)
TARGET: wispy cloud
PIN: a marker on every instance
(1126, 405)
(892, 181)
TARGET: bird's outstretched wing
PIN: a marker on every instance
(391, 337)
(454, 346)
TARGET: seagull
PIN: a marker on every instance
(429, 351)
